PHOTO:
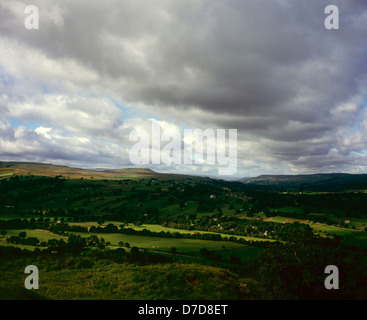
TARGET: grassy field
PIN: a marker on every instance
(159, 228)
(4, 174)
(105, 280)
(353, 237)
(185, 246)
(285, 220)
(344, 232)
(41, 235)
(348, 236)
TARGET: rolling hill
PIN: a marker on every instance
(50, 170)
(316, 182)
(321, 181)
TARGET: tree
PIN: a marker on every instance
(173, 250)
(127, 245)
(3, 233)
(100, 221)
(22, 234)
(138, 223)
(267, 212)
(204, 252)
(32, 241)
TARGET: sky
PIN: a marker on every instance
(72, 91)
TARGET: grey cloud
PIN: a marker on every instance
(267, 68)
(22, 144)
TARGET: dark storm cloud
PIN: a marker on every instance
(267, 68)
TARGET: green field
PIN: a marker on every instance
(4, 174)
(159, 228)
(41, 235)
(348, 236)
(285, 220)
(184, 246)
(344, 232)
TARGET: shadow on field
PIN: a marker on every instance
(19, 294)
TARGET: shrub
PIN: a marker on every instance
(84, 264)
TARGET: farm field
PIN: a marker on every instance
(185, 246)
(159, 228)
(41, 235)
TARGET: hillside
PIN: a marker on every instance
(50, 170)
(321, 181)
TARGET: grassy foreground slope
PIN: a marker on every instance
(88, 279)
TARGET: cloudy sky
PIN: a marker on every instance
(72, 91)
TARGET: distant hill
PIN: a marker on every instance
(320, 181)
(50, 170)
(317, 182)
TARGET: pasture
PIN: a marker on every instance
(184, 246)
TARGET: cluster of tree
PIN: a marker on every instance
(29, 189)
(22, 239)
(135, 256)
(15, 252)
(40, 223)
(75, 243)
(167, 234)
(297, 271)
(110, 228)
(301, 216)
(61, 228)
(246, 227)
(137, 213)
(31, 183)
(65, 229)
(56, 226)
(350, 204)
